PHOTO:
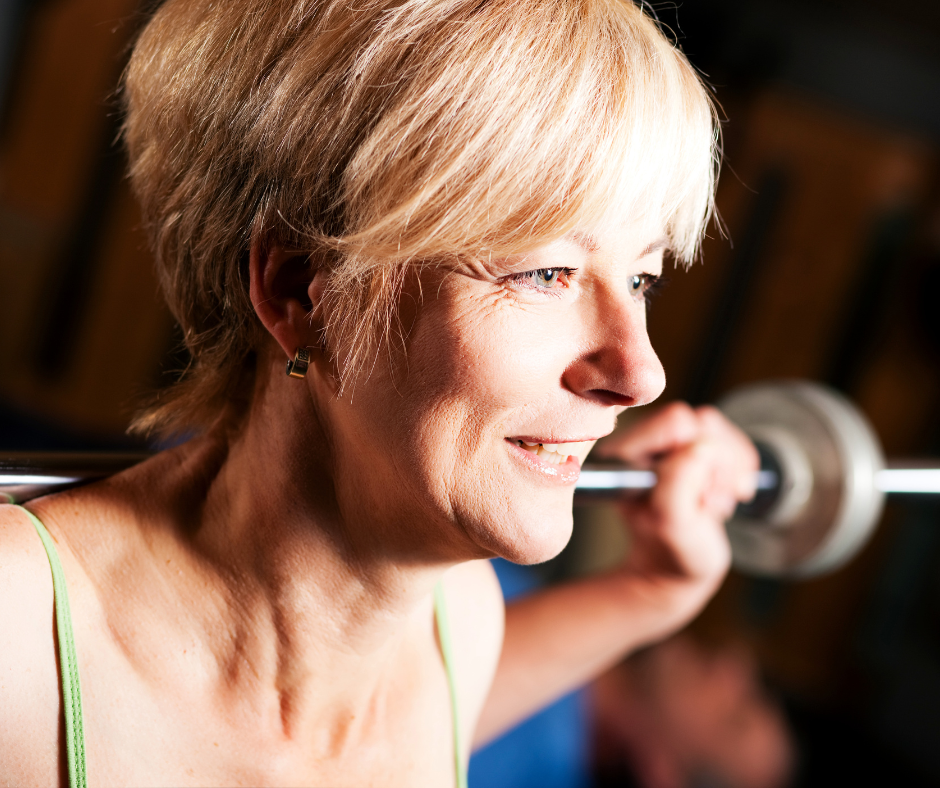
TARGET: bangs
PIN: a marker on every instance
(530, 123)
(383, 134)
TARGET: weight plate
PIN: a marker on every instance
(829, 456)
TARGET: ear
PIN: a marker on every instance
(285, 289)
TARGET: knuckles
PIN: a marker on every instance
(711, 419)
(694, 447)
(705, 467)
(680, 421)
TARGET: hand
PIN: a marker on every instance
(705, 465)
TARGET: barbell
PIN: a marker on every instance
(820, 493)
(820, 489)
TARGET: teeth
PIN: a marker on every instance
(552, 457)
(579, 449)
(556, 453)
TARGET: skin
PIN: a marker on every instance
(254, 607)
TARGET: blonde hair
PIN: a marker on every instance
(387, 133)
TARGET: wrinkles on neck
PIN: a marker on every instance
(291, 601)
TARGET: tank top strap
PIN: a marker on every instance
(68, 663)
(443, 633)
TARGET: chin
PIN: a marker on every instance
(534, 540)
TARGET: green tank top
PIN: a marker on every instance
(72, 694)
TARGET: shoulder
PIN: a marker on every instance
(29, 694)
(25, 578)
(476, 617)
(25, 574)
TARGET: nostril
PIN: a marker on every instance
(608, 397)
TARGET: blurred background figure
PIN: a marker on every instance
(681, 715)
(829, 269)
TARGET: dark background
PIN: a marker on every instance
(830, 270)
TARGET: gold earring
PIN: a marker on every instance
(297, 366)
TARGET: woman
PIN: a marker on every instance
(445, 215)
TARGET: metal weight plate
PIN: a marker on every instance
(828, 455)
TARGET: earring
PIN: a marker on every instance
(297, 366)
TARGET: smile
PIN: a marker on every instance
(552, 462)
(548, 452)
(554, 453)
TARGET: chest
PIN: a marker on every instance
(139, 733)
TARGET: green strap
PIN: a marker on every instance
(68, 663)
(443, 632)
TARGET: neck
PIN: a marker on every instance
(310, 585)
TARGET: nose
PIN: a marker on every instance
(617, 365)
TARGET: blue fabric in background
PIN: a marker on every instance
(549, 750)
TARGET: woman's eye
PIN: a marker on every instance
(644, 285)
(545, 278)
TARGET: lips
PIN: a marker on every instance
(555, 462)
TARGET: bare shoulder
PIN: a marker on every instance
(25, 577)
(476, 615)
(29, 696)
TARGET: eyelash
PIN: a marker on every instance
(652, 284)
(527, 278)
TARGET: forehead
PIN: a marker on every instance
(631, 237)
(593, 244)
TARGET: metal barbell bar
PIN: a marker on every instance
(28, 475)
(610, 482)
(821, 486)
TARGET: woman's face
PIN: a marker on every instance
(513, 369)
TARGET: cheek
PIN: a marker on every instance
(501, 358)
(473, 367)
(466, 374)
(472, 374)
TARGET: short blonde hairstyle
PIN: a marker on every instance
(382, 134)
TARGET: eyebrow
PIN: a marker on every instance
(590, 244)
(662, 243)
(586, 241)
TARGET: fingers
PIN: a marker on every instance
(705, 466)
(677, 530)
(737, 462)
(734, 463)
(684, 481)
(675, 425)
(698, 479)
